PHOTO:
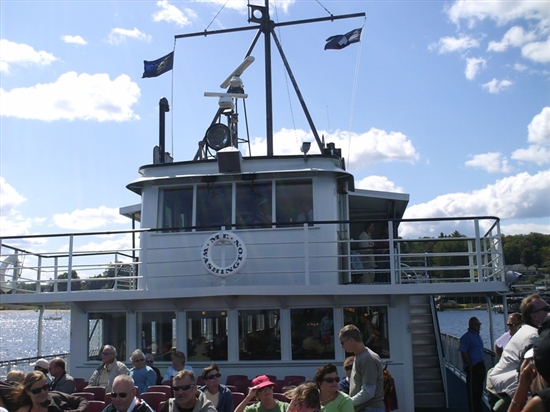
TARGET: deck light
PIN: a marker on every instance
(218, 136)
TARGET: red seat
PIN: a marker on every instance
(232, 388)
(96, 406)
(153, 398)
(167, 389)
(79, 384)
(230, 380)
(238, 397)
(107, 399)
(200, 381)
(161, 405)
(88, 395)
(168, 382)
(293, 380)
(98, 391)
(242, 385)
(281, 397)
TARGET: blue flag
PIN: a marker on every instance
(343, 40)
(159, 66)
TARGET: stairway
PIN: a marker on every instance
(429, 391)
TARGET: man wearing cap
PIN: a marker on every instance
(262, 389)
(62, 381)
(187, 398)
(109, 369)
(43, 366)
(504, 376)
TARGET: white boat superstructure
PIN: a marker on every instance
(256, 263)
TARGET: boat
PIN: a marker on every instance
(242, 260)
(54, 316)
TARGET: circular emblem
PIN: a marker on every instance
(224, 239)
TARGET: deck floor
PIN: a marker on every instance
(458, 398)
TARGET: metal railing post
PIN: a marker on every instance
(70, 265)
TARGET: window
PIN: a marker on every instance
(156, 333)
(106, 329)
(312, 333)
(214, 205)
(372, 321)
(294, 201)
(254, 208)
(207, 335)
(177, 208)
(259, 335)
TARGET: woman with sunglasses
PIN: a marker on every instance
(33, 395)
(143, 375)
(217, 393)
(332, 400)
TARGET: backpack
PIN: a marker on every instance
(390, 397)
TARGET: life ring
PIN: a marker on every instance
(223, 238)
(15, 262)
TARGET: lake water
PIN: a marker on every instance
(19, 331)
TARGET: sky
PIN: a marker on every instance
(446, 101)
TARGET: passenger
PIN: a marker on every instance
(150, 360)
(513, 324)
(186, 396)
(262, 389)
(366, 248)
(311, 344)
(33, 394)
(43, 366)
(332, 400)
(62, 381)
(15, 376)
(143, 375)
(6, 389)
(504, 376)
(343, 385)
(471, 349)
(178, 364)
(123, 397)
(540, 354)
(304, 398)
(367, 375)
(217, 393)
(109, 369)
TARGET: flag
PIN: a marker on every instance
(343, 40)
(159, 66)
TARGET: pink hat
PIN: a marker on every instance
(262, 381)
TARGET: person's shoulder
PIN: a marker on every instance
(68, 377)
(282, 406)
(143, 406)
(253, 407)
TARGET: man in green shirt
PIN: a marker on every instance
(262, 389)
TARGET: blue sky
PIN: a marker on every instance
(446, 101)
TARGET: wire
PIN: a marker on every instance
(216, 15)
(324, 7)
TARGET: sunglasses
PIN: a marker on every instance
(116, 395)
(217, 375)
(106, 353)
(182, 388)
(348, 368)
(36, 391)
(139, 360)
(546, 309)
(344, 341)
(149, 361)
(511, 325)
(331, 380)
(265, 388)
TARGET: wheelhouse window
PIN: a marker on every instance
(106, 329)
(294, 201)
(259, 335)
(253, 205)
(207, 335)
(372, 321)
(177, 208)
(214, 205)
(312, 333)
(156, 333)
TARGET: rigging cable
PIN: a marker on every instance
(217, 14)
(354, 92)
(324, 7)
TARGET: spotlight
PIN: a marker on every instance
(218, 136)
(305, 148)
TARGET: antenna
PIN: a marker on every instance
(238, 71)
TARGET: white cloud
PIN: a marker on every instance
(539, 138)
(241, 5)
(89, 219)
(9, 198)
(514, 37)
(520, 67)
(172, 14)
(537, 51)
(454, 44)
(492, 162)
(74, 40)
(11, 221)
(524, 228)
(374, 146)
(73, 96)
(380, 183)
(118, 36)
(502, 12)
(473, 66)
(496, 86)
(21, 54)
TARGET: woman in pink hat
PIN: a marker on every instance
(262, 388)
